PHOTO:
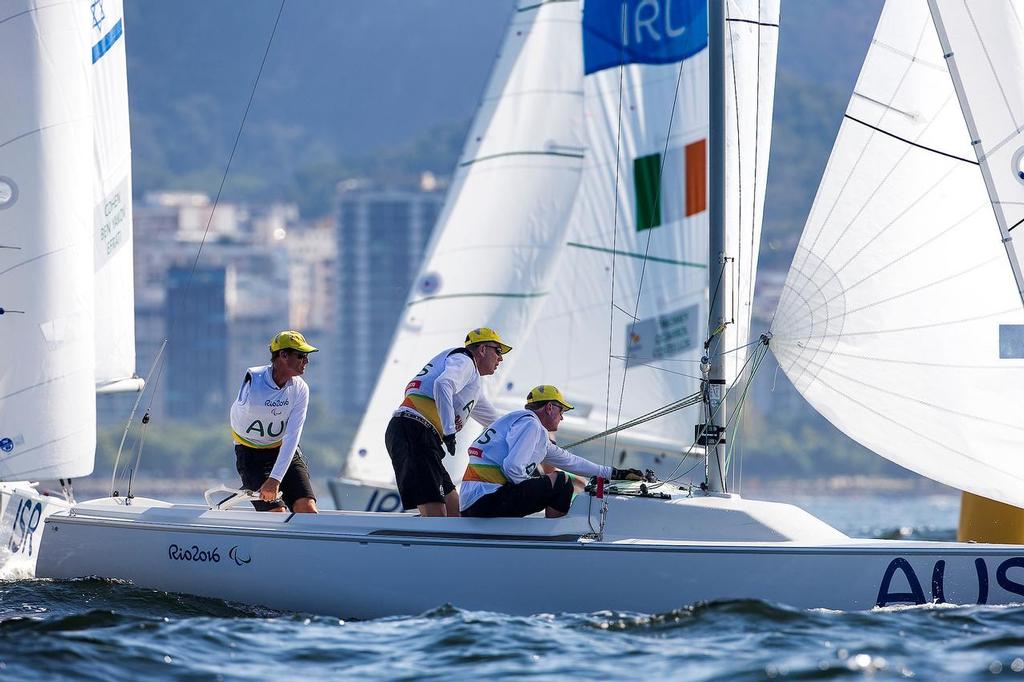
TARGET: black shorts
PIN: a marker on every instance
(254, 466)
(416, 455)
(525, 498)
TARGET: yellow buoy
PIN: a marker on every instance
(985, 520)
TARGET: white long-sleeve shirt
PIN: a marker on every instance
(265, 415)
(512, 450)
(449, 386)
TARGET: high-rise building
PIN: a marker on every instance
(381, 237)
(196, 350)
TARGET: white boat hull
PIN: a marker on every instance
(361, 565)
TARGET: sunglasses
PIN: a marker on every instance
(299, 354)
(496, 349)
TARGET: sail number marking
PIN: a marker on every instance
(916, 595)
(26, 522)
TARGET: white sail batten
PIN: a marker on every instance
(47, 399)
(491, 252)
(898, 315)
(112, 200)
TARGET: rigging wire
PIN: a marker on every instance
(195, 262)
(680, 404)
(672, 476)
(615, 218)
(655, 202)
(131, 417)
(714, 337)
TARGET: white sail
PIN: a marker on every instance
(491, 251)
(752, 40)
(900, 319)
(984, 46)
(112, 197)
(47, 403)
(620, 353)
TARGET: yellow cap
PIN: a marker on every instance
(487, 334)
(290, 339)
(545, 393)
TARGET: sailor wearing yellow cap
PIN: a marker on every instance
(504, 476)
(266, 424)
(439, 400)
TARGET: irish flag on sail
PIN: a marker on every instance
(660, 181)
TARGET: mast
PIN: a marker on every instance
(711, 433)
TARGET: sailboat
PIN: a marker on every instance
(545, 264)
(66, 300)
(915, 137)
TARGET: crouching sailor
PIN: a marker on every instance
(266, 423)
(504, 476)
(438, 402)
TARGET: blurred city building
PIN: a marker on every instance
(261, 269)
(381, 239)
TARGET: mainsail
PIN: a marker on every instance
(623, 331)
(112, 200)
(491, 252)
(47, 382)
(901, 320)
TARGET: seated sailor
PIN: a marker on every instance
(504, 475)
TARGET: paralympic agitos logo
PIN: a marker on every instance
(237, 557)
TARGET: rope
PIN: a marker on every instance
(655, 202)
(680, 404)
(615, 218)
(131, 417)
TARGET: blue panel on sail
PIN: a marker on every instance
(642, 32)
(100, 48)
(1011, 341)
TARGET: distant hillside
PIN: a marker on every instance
(343, 81)
(387, 87)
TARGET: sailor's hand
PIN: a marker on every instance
(458, 423)
(449, 443)
(627, 475)
(270, 490)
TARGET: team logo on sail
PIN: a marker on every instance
(642, 32)
(6, 444)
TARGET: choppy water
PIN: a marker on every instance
(103, 630)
